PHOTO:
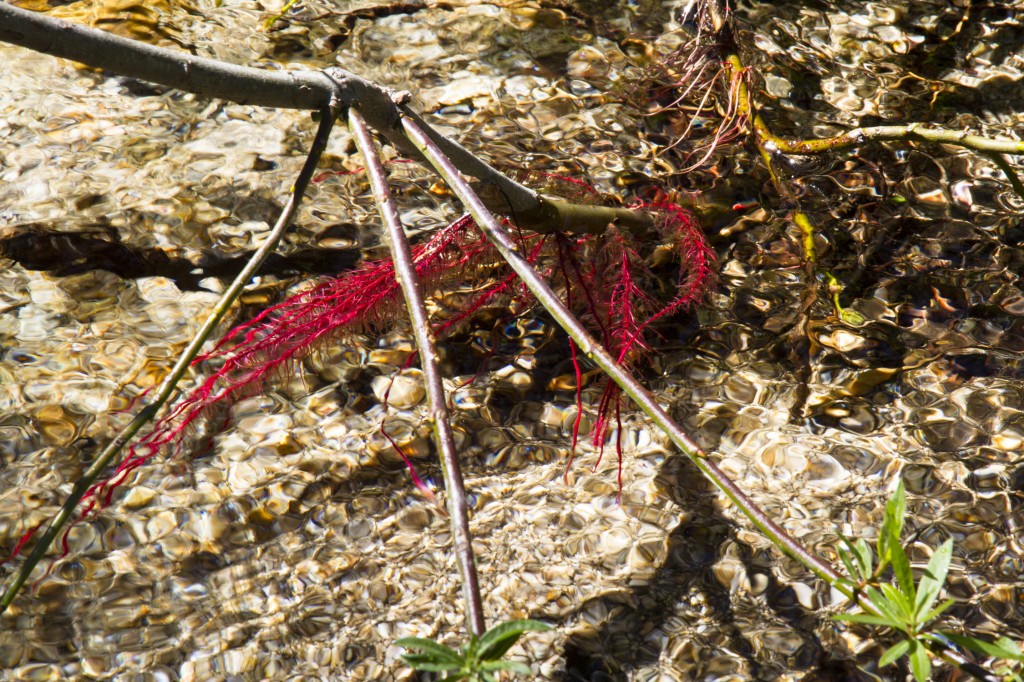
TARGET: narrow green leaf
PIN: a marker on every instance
(511, 666)
(885, 607)
(919, 663)
(894, 653)
(847, 557)
(499, 639)
(847, 584)
(439, 652)
(426, 662)
(934, 613)
(273, 19)
(864, 558)
(866, 618)
(1010, 650)
(934, 578)
(1004, 647)
(904, 576)
(470, 649)
(900, 602)
(892, 524)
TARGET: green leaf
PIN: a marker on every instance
(904, 576)
(499, 639)
(901, 603)
(1004, 647)
(273, 19)
(847, 557)
(511, 666)
(894, 653)
(1010, 650)
(892, 524)
(919, 663)
(864, 558)
(866, 618)
(433, 650)
(934, 613)
(856, 557)
(469, 649)
(851, 316)
(886, 608)
(428, 663)
(934, 578)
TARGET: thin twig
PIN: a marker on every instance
(166, 389)
(916, 132)
(405, 272)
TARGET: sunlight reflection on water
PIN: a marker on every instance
(284, 539)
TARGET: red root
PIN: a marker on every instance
(603, 277)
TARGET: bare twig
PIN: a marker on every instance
(405, 272)
(916, 132)
(166, 389)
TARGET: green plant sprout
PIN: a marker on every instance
(273, 19)
(479, 660)
(904, 607)
(847, 315)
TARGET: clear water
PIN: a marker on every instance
(289, 544)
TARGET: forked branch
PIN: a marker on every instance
(596, 352)
(309, 90)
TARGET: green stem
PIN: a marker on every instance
(596, 352)
(1011, 175)
(166, 389)
(916, 132)
(405, 272)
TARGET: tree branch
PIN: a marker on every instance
(310, 90)
(596, 352)
(917, 132)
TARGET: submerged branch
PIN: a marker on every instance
(911, 132)
(1011, 174)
